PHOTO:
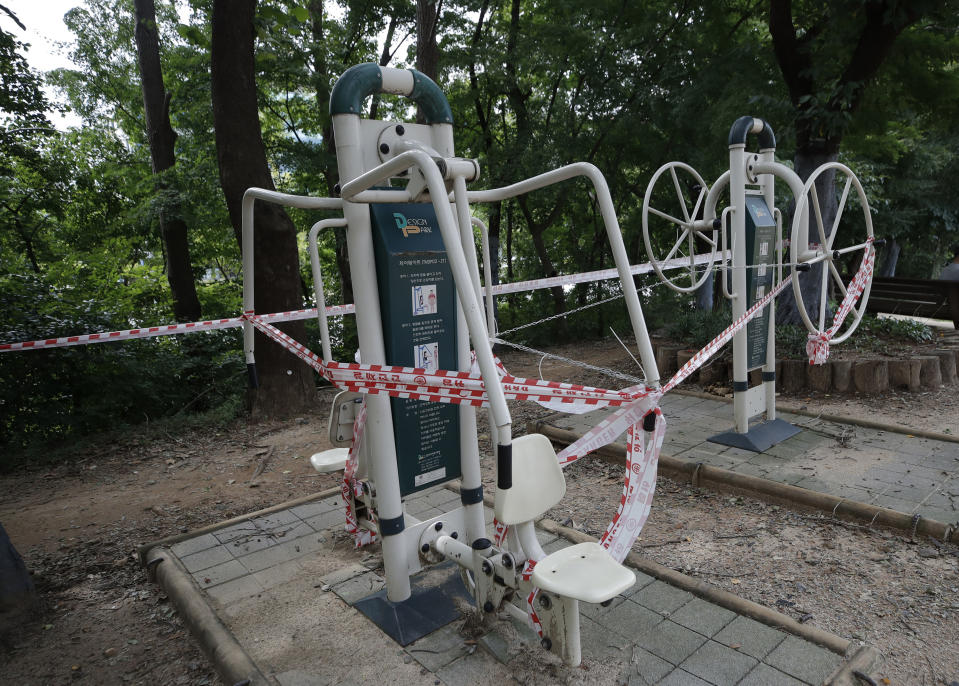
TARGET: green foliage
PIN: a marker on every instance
(885, 329)
(626, 86)
(68, 392)
(698, 327)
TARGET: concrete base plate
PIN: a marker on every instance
(759, 438)
(432, 605)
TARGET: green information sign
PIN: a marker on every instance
(761, 257)
(418, 306)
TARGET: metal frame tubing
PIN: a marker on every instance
(318, 295)
(737, 200)
(472, 477)
(613, 233)
(379, 426)
(249, 198)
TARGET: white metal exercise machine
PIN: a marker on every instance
(418, 307)
(750, 228)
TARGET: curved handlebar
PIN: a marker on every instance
(363, 80)
(744, 126)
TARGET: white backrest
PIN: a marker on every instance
(538, 482)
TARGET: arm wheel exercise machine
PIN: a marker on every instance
(384, 224)
(751, 239)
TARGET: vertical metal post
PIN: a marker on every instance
(472, 478)
(737, 199)
(379, 423)
(768, 155)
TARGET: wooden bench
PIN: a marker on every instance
(935, 299)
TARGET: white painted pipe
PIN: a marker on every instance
(379, 427)
(613, 233)
(246, 214)
(318, 295)
(737, 201)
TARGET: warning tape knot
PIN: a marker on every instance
(817, 347)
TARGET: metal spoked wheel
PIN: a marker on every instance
(684, 191)
(826, 251)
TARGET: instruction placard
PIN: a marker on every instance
(761, 248)
(418, 306)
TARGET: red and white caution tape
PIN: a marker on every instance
(526, 575)
(361, 535)
(309, 313)
(817, 347)
(168, 329)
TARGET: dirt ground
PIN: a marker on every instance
(78, 524)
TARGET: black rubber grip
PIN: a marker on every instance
(471, 496)
(392, 527)
(504, 466)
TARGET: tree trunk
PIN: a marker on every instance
(321, 79)
(704, 295)
(427, 50)
(890, 259)
(162, 137)
(286, 383)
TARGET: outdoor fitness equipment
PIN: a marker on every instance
(417, 297)
(750, 236)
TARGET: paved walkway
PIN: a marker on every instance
(898, 471)
(285, 585)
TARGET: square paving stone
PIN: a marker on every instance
(680, 677)
(629, 619)
(219, 574)
(276, 520)
(764, 675)
(342, 574)
(601, 645)
(439, 648)
(194, 545)
(703, 617)
(470, 670)
(442, 498)
(312, 509)
(327, 520)
(288, 550)
(943, 516)
(670, 641)
(250, 544)
(597, 611)
(278, 574)
(646, 668)
(206, 558)
(235, 531)
(661, 597)
(553, 546)
(359, 587)
(751, 637)
(720, 665)
(238, 589)
(803, 660)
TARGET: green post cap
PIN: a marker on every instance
(363, 80)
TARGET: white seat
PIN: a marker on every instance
(330, 460)
(537, 481)
(585, 572)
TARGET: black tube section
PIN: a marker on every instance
(741, 128)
